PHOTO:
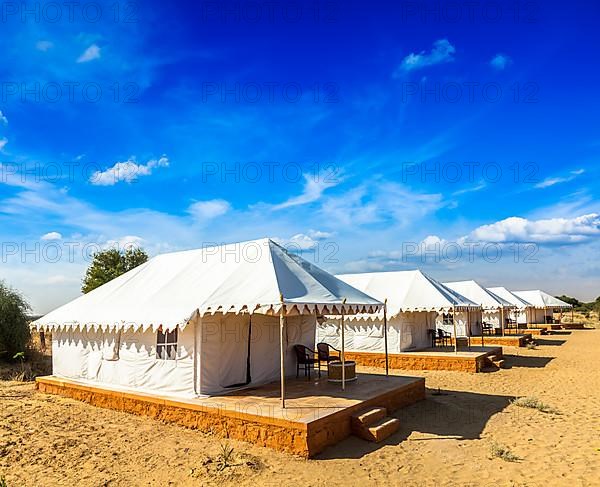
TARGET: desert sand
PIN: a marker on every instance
(445, 440)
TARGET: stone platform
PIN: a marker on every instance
(317, 414)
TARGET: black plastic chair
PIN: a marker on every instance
(443, 337)
(487, 328)
(305, 357)
(323, 354)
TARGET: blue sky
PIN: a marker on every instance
(368, 136)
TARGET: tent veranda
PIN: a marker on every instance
(414, 299)
(199, 322)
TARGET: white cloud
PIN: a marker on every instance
(314, 187)
(206, 210)
(3, 119)
(500, 62)
(441, 52)
(552, 230)
(91, 53)
(3, 142)
(298, 243)
(44, 45)
(52, 236)
(546, 183)
(128, 172)
(124, 243)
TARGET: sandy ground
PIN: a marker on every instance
(445, 440)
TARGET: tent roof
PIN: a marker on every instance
(408, 291)
(541, 299)
(477, 293)
(509, 296)
(248, 277)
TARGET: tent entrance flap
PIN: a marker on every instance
(248, 353)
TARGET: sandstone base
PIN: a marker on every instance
(474, 361)
(310, 423)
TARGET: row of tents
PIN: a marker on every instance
(208, 321)
(418, 304)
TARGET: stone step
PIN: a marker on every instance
(368, 417)
(384, 429)
(499, 363)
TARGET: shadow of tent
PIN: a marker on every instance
(549, 342)
(556, 332)
(452, 415)
(525, 361)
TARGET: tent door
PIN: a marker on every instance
(407, 338)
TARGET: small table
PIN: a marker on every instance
(334, 371)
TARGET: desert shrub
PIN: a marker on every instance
(535, 403)
(503, 452)
(14, 323)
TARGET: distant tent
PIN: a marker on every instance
(495, 308)
(198, 322)
(414, 300)
(521, 308)
(543, 305)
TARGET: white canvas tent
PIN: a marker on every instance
(413, 301)
(521, 309)
(199, 322)
(543, 304)
(494, 308)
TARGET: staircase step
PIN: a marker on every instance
(499, 363)
(384, 429)
(368, 417)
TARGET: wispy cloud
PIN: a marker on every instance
(128, 171)
(44, 46)
(471, 189)
(314, 187)
(379, 201)
(207, 210)
(441, 52)
(500, 62)
(546, 183)
(3, 142)
(3, 119)
(91, 53)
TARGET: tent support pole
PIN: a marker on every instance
(343, 351)
(455, 335)
(502, 318)
(482, 340)
(385, 337)
(281, 350)
(572, 316)
(469, 329)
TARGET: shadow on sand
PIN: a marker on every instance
(451, 415)
(549, 342)
(511, 361)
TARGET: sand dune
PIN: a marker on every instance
(445, 440)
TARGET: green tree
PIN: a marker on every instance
(14, 323)
(568, 299)
(111, 263)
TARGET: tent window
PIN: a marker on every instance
(166, 345)
(447, 319)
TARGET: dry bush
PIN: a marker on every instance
(503, 452)
(535, 403)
